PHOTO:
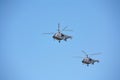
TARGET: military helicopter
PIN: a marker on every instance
(59, 35)
(87, 60)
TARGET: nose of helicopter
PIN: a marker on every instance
(53, 36)
(82, 61)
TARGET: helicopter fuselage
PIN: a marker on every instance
(89, 60)
(60, 36)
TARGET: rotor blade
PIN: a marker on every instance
(65, 29)
(77, 57)
(68, 30)
(95, 54)
(84, 52)
(49, 33)
(58, 27)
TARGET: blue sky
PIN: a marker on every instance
(27, 54)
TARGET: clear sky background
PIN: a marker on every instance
(27, 54)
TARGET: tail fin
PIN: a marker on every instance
(70, 37)
(97, 61)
